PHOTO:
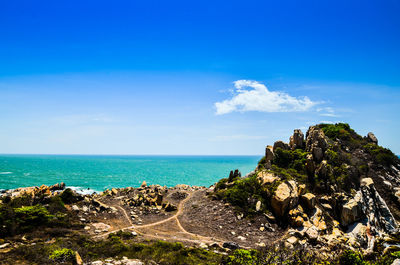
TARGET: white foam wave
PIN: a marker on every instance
(5, 173)
(82, 191)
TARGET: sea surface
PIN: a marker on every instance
(96, 173)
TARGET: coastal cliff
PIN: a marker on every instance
(330, 195)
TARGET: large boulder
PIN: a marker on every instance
(316, 142)
(269, 153)
(351, 210)
(297, 139)
(285, 198)
(308, 200)
(265, 177)
(281, 145)
(372, 138)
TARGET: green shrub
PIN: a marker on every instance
(62, 255)
(67, 196)
(243, 257)
(244, 193)
(28, 217)
(340, 131)
(56, 205)
(349, 257)
(381, 155)
(294, 159)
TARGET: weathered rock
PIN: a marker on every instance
(316, 142)
(169, 207)
(114, 191)
(296, 140)
(396, 262)
(357, 233)
(58, 186)
(372, 138)
(101, 206)
(144, 184)
(280, 144)
(284, 198)
(323, 170)
(230, 245)
(269, 153)
(317, 153)
(78, 259)
(265, 177)
(101, 227)
(234, 174)
(258, 206)
(375, 208)
(351, 210)
(308, 200)
(310, 166)
(312, 234)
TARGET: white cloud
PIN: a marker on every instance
(254, 96)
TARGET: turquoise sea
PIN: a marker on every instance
(102, 172)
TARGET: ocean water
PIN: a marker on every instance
(102, 172)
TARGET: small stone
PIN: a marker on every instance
(233, 233)
(242, 238)
(258, 206)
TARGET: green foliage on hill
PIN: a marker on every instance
(381, 155)
(161, 252)
(340, 131)
(20, 215)
(244, 192)
(62, 255)
(294, 159)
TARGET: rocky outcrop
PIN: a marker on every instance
(234, 174)
(281, 145)
(308, 200)
(265, 177)
(351, 210)
(285, 197)
(316, 143)
(375, 208)
(372, 138)
(296, 140)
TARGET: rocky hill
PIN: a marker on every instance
(332, 188)
(329, 197)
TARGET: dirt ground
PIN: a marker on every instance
(197, 220)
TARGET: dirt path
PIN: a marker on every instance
(186, 236)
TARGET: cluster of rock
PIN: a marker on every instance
(34, 192)
(146, 196)
(336, 217)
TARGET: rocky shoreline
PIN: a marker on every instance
(324, 195)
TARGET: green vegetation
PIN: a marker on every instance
(161, 252)
(381, 155)
(18, 215)
(340, 131)
(62, 255)
(243, 193)
(295, 159)
(243, 257)
(350, 257)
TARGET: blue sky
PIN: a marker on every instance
(182, 77)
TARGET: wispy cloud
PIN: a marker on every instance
(254, 96)
(327, 112)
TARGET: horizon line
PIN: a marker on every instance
(72, 154)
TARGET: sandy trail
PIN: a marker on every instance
(153, 232)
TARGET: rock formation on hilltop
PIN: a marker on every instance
(330, 188)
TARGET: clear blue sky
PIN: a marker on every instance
(185, 77)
